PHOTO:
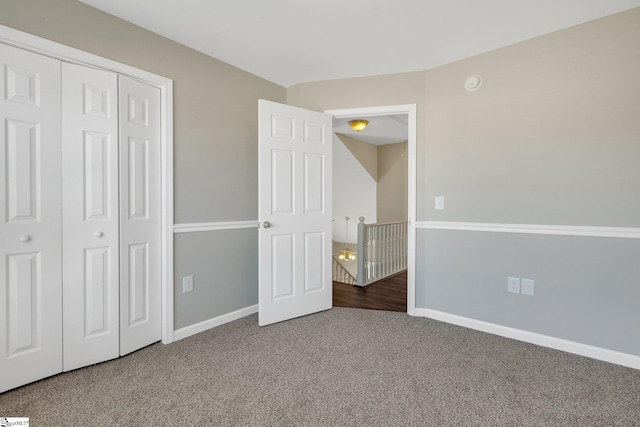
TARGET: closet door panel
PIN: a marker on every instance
(30, 231)
(90, 215)
(140, 198)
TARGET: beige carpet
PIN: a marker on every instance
(345, 367)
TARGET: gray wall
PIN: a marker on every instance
(215, 137)
(393, 174)
(552, 137)
(231, 256)
(586, 289)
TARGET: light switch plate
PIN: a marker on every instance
(528, 286)
(187, 284)
(439, 203)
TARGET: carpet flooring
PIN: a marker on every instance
(342, 367)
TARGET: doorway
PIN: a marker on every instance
(390, 293)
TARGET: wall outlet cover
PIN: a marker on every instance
(513, 285)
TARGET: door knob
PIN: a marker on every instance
(98, 234)
(24, 238)
(266, 224)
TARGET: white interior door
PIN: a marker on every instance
(30, 231)
(90, 215)
(140, 199)
(295, 212)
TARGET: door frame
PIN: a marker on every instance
(410, 110)
(65, 53)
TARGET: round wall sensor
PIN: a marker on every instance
(473, 83)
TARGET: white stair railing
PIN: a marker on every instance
(382, 250)
(341, 274)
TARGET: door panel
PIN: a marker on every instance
(140, 198)
(22, 180)
(90, 216)
(97, 299)
(314, 260)
(138, 187)
(295, 199)
(283, 266)
(97, 149)
(283, 182)
(23, 288)
(30, 232)
(314, 192)
(139, 291)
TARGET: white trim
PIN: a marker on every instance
(611, 356)
(59, 51)
(212, 323)
(411, 111)
(166, 112)
(558, 230)
(412, 210)
(214, 226)
(65, 53)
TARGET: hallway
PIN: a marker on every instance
(388, 294)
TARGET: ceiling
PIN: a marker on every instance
(294, 41)
(381, 130)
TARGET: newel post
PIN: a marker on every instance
(360, 252)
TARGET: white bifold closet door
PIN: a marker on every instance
(80, 194)
(90, 238)
(30, 232)
(140, 215)
(111, 215)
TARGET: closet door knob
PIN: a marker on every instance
(24, 238)
(98, 234)
(266, 224)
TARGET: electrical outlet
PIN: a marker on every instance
(187, 284)
(513, 285)
(528, 287)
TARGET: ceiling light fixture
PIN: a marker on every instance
(347, 254)
(358, 125)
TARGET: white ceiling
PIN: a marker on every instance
(293, 41)
(381, 130)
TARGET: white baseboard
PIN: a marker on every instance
(616, 357)
(212, 323)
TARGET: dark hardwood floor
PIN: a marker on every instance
(388, 294)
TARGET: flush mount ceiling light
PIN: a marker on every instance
(358, 125)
